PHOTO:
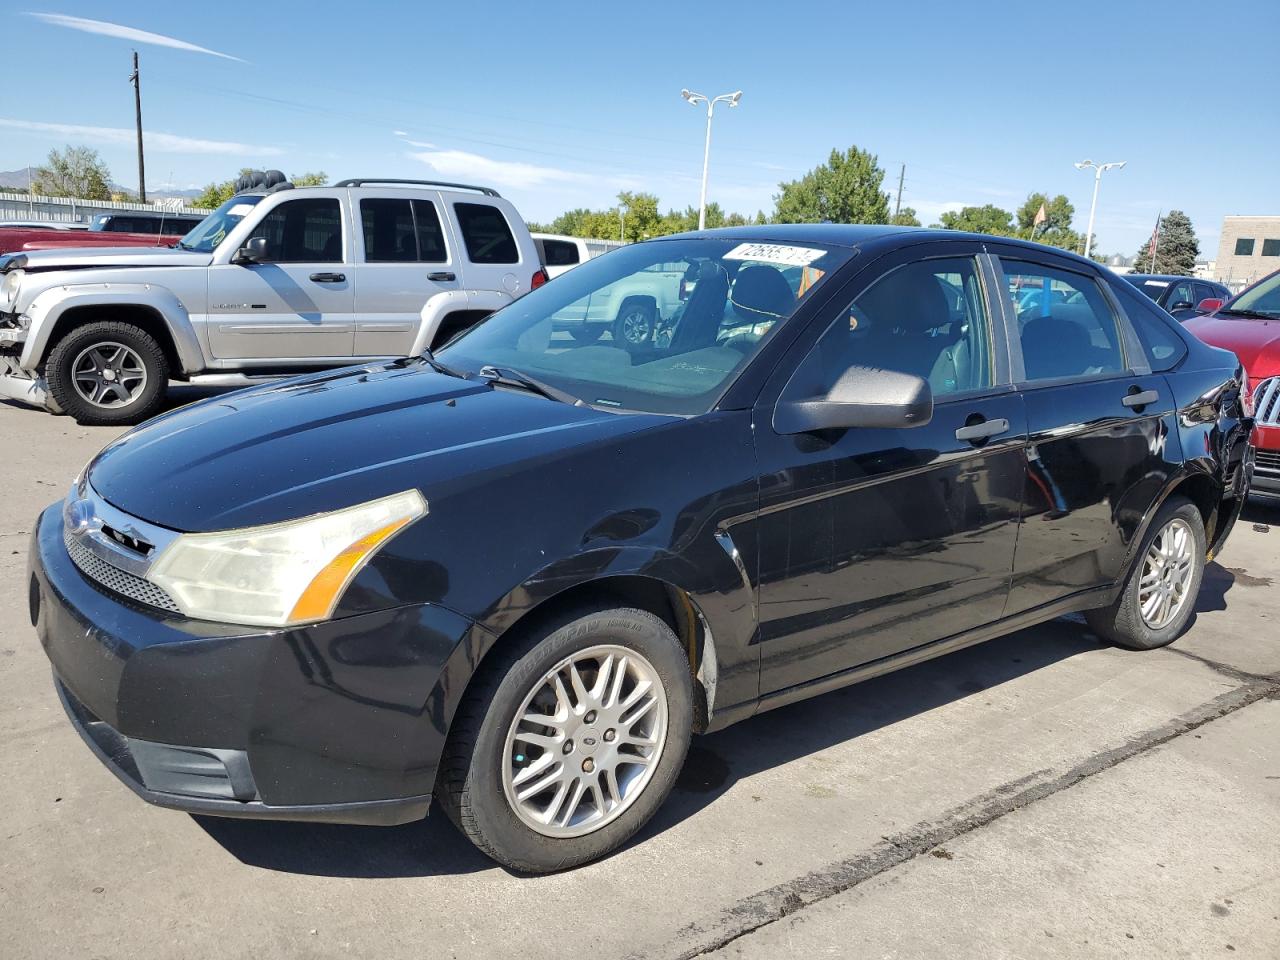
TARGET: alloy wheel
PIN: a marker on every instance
(1167, 571)
(585, 742)
(108, 374)
(635, 326)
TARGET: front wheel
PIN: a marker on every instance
(1160, 594)
(570, 741)
(108, 374)
(634, 324)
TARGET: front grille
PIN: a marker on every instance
(1266, 461)
(1266, 402)
(115, 579)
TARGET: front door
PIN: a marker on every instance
(404, 260)
(299, 303)
(874, 541)
(1102, 442)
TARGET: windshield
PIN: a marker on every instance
(213, 229)
(1263, 299)
(1152, 288)
(660, 327)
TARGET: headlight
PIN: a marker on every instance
(9, 289)
(282, 573)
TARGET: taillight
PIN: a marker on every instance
(538, 279)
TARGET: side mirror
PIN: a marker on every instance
(1209, 305)
(1181, 305)
(255, 251)
(862, 397)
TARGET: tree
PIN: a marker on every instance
(73, 172)
(216, 194)
(985, 219)
(316, 179)
(1056, 229)
(1176, 247)
(845, 189)
(906, 217)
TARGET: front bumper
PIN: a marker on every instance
(1266, 464)
(340, 722)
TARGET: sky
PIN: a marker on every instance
(562, 104)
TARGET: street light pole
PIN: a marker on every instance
(695, 99)
(1097, 182)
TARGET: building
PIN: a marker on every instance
(1249, 249)
(1120, 263)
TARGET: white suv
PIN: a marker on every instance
(276, 280)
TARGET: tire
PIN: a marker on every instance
(633, 327)
(121, 364)
(1177, 535)
(481, 759)
(587, 332)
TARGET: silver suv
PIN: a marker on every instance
(276, 280)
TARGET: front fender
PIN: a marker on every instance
(49, 306)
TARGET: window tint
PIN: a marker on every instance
(486, 234)
(303, 231)
(431, 247)
(1160, 342)
(1244, 247)
(558, 253)
(388, 231)
(1181, 293)
(1065, 325)
(1271, 248)
(926, 318)
(1204, 291)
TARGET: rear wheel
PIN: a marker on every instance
(1160, 594)
(108, 373)
(567, 743)
(634, 324)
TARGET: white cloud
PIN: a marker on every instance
(421, 143)
(159, 142)
(399, 133)
(507, 173)
(120, 32)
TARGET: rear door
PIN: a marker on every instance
(874, 541)
(492, 260)
(298, 303)
(403, 259)
(1100, 448)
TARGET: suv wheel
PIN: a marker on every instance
(634, 325)
(1160, 594)
(107, 373)
(567, 744)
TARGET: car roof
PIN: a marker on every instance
(862, 234)
(1162, 276)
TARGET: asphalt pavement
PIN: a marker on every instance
(1041, 795)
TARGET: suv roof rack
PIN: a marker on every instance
(360, 182)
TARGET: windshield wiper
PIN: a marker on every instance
(439, 367)
(1261, 314)
(181, 245)
(514, 378)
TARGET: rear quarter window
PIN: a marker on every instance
(1161, 343)
(486, 234)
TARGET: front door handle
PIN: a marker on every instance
(1141, 398)
(981, 431)
(329, 277)
(440, 276)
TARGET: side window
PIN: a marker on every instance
(1065, 325)
(926, 318)
(559, 253)
(303, 231)
(486, 234)
(1180, 294)
(388, 231)
(1160, 342)
(431, 247)
(1204, 292)
(1244, 247)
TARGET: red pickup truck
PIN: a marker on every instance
(141, 229)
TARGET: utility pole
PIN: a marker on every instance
(135, 79)
(897, 204)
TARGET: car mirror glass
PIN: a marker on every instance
(861, 397)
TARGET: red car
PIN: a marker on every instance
(1249, 325)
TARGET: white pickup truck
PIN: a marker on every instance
(631, 310)
(561, 253)
(276, 280)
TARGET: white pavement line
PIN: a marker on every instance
(775, 903)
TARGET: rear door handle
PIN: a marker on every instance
(442, 275)
(329, 277)
(1141, 398)
(983, 430)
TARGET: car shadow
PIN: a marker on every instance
(715, 763)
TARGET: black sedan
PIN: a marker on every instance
(1183, 297)
(518, 575)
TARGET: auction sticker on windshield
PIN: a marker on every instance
(775, 253)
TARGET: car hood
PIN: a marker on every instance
(79, 258)
(1255, 342)
(331, 440)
